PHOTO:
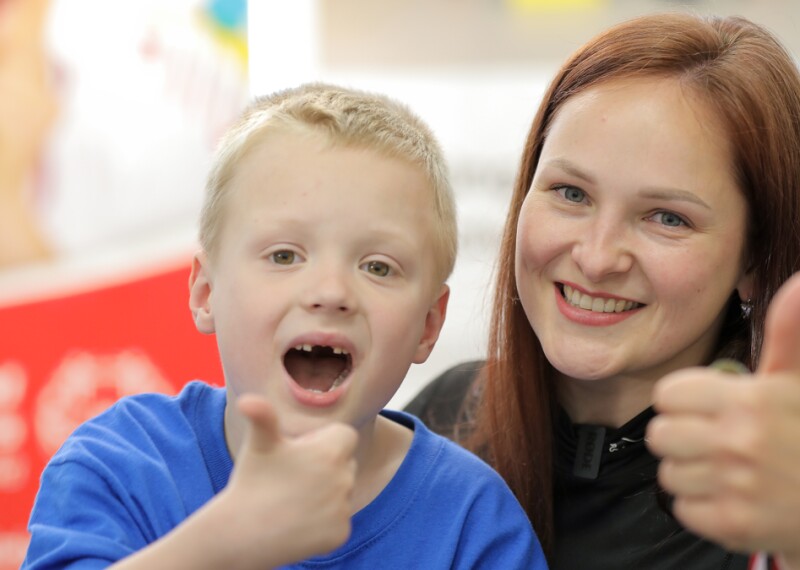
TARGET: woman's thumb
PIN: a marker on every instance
(781, 350)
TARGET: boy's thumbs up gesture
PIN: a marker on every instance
(731, 444)
(289, 499)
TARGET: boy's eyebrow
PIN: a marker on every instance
(652, 192)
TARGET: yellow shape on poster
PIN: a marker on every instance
(554, 5)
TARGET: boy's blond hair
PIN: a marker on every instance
(345, 116)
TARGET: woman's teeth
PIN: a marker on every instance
(597, 304)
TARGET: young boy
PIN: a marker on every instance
(327, 235)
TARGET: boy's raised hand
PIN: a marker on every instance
(289, 499)
(731, 445)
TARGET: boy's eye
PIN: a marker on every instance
(571, 194)
(283, 257)
(669, 219)
(378, 268)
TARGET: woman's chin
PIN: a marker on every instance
(585, 367)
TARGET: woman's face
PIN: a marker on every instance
(631, 239)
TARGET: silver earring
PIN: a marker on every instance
(747, 308)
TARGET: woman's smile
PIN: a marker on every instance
(596, 304)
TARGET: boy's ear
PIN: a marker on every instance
(434, 321)
(200, 294)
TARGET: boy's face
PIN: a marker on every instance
(322, 288)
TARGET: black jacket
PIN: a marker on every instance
(608, 514)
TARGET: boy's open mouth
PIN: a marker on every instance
(317, 368)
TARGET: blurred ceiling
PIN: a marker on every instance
(477, 33)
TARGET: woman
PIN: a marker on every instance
(654, 217)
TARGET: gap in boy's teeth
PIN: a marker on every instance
(319, 370)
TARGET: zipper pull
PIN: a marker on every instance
(622, 444)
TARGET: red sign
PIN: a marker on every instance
(63, 359)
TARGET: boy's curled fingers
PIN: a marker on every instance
(341, 439)
(335, 446)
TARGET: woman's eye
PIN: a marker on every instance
(378, 268)
(283, 257)
(669, 219)
(571, 194)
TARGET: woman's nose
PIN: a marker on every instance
(602, 250)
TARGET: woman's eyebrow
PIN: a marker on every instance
(673, 194)
(571, 169)
(651, 192)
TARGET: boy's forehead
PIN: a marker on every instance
(292, 180)
(284, 146)
(311, 163)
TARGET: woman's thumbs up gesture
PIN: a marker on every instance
(731, 444)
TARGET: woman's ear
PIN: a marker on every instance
(745, 287)
(200, 285)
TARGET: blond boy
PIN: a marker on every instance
(327, 235)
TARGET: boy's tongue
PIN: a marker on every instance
(314, 370)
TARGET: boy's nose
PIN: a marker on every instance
(330, 290)
(601, 250)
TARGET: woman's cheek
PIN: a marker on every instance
(539, 240)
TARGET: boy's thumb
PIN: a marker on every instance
(781, 350)
(262, 434)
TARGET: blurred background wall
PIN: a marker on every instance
(93, 300)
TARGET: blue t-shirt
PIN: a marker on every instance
(129, 476)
